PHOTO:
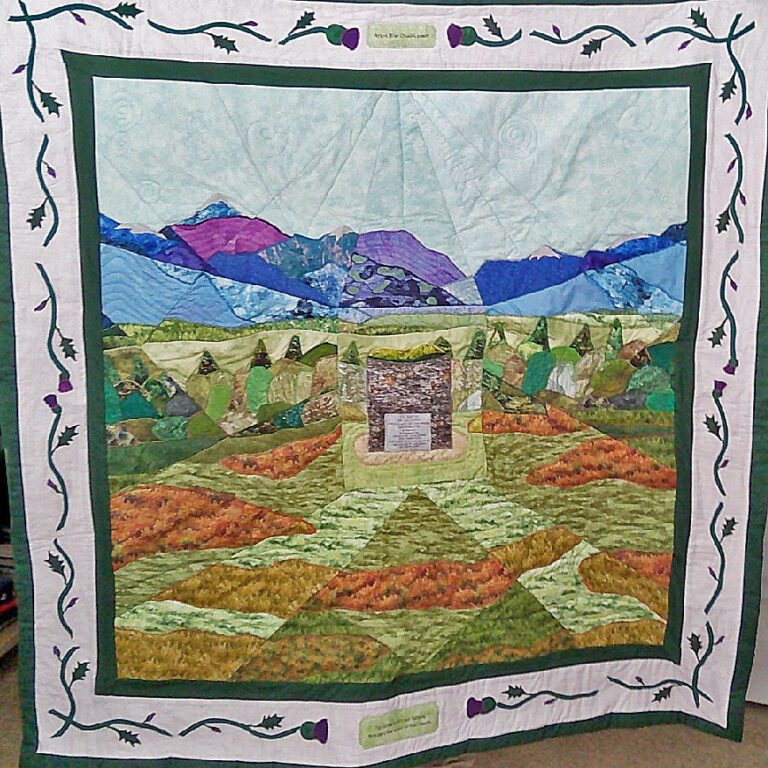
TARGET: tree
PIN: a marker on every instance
(294, 349)
(615, 340)
(540, 334)
(583, 341)
(260, 358)
(207, 364)
(351, 355)
(476, 347)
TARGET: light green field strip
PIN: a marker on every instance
(481, 510)
(343, 528)
(169, 615)
(560, 589)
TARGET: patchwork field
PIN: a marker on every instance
(251, 542)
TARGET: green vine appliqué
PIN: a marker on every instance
(125, 729)
(594, 44)
(701, 31)
(731, 214)
(78, 11)
(267, 728)
(335, 34)
(518, 697)
(222, 42)
(719, 332)
(468, 35)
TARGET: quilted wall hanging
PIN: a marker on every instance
(379, 380)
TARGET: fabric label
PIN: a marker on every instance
(401, 36)
(398, 725)
(407, 431)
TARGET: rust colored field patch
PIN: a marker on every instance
(280, 589)
(436, 584)
(286, 460)
(601, 573)
(604, 459)
(550, 424)
(162, 518)
(655, 565)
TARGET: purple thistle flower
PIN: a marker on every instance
(72, 603)
(78, 18)
(474, 707)
(65, 385)
(749, 111)
(351, 38)
(732, 165)
(556, 30)
(52, 485)
(251, 23)
(19, 69)
(684, 44)
(730, 369)
(725, 464)
(742, 198)
(41, 306)
(52, 402)
(50, 170)
(150, 717)
(454, 35)
(318, 731)
(56, 651)
(720, 387)
(734, 285)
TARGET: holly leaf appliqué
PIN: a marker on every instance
(55, 563)
(729, 526)
(270, 722)
(662, 693)
(492, 26)
(718, 334)
(127, 10)
(36, 216)
(66, 437)
(225, 43)
(699, 19)
(50, 103)
(723, 221)
(728, 89)
(80, 671)
(592, 47)
(713, 426)
(129, 737)
(695, 642)
(68, 348)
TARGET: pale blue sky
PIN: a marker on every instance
(475, 175)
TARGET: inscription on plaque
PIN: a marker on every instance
(407, 431)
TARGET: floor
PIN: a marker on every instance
(659, 747)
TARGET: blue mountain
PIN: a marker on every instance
(217, 210)
(251, 268)
(500, 281)
(136, 289)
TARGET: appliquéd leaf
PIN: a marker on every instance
(127, 10)
(663, 693)
(493, 27)
(695, 643)
(305, 20)
(80, 671)
(129, 737)
(699, 19)
(225, 43)
(594, 46)
(713, 426)
(514, 692)
(55, 563)
(66, 436)
(36, 216)
(50, 103)
(68, 348)
(718, 334)
(270, 722)
(728, 89)
(729, 526)
(723, 221)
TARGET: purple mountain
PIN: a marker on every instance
(402, 249)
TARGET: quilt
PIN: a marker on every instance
(381, 382)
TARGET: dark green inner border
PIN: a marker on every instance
(83, 69)
(754, 550)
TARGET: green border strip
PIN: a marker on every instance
(83, 68)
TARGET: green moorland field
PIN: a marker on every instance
(247, 547)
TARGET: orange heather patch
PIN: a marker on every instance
(161, 518)
(285, 461)
(437, 584)
(604, 459)
(553, 422)
(657, 566)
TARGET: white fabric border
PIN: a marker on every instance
(36, 376)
